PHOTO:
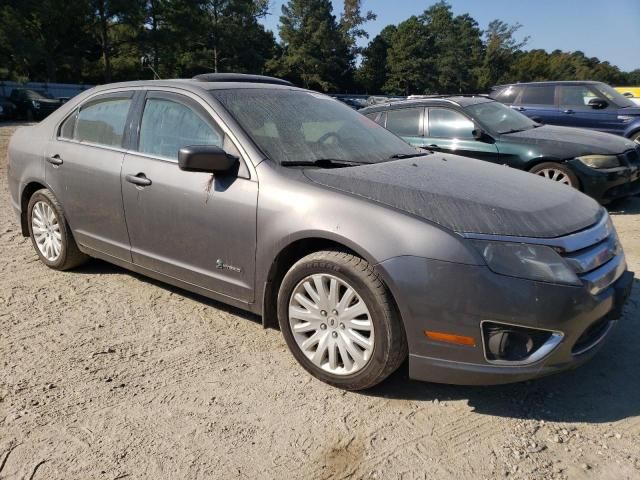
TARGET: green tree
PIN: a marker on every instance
(315, 52)
(456, 49)
(410, 70)
(373, 72)
(501, 47)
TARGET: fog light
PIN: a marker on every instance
(509, 345)
(515, 345)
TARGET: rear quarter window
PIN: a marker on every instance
(405, 122)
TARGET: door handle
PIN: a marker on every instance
(140, 179)
(519, 109)
(55, 160)
(569, 111)
(433, 145)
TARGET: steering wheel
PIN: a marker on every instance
(327, 136)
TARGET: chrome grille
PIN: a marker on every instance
(598, 259)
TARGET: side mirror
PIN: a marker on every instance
(598, 103)
(205, 158)
(478, 133)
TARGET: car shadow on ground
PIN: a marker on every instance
(606, 389)
(99, 267)
(627, 206)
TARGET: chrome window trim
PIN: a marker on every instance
(244, 156)
(568, 243)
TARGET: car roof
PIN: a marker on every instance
(456, 100)
(194, 85)
(550, 82)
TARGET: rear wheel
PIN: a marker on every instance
(340, 321)
(557, 172)
(635, 137)
(50, 233)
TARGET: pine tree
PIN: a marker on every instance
(315, 53)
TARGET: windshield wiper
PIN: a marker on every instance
(322, 162)
(513, 130)
(409, 155)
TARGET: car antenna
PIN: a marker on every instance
(145, 62)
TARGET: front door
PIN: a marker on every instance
(448, 130)
(576, 112)
(195, 227)
(83, 166)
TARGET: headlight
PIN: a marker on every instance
(522, 260)
(35, 103)
(600, 161)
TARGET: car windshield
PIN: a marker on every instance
(498, 118)
(614, 96)
(302, 127)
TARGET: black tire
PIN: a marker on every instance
(30, 116)
(70, 256)
(575, 183)
(635, 137)
(390, 346)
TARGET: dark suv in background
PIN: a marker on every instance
(604, 166)
(33, 104)
(583, 104)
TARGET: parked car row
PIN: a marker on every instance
(363, 249)
(604, 166)
(28, 104)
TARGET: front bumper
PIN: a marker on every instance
(453, 298)
(609, 184)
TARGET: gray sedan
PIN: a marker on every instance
(291, 205)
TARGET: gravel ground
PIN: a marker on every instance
(105, 374)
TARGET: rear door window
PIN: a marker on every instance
(405, 122)
(538, 95)
(447, 123)
(102, 121)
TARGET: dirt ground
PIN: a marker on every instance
(105, 374)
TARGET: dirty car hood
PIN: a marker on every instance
(468, 196)
(568, 142)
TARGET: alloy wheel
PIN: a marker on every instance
(46, 231)
(556, 176)
(331, 324)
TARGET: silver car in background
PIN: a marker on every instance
(289, 204)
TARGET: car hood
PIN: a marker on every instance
(568, 142)
(468, 196)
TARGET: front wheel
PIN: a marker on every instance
(557, 172)
(340, 321)
(50, 232)
(635, 137)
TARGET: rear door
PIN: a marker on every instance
(576, 112)
(407, 123)
(539, 103)
(192, 226)
(83, 170)
(448, 130)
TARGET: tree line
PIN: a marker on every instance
(98, 41)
